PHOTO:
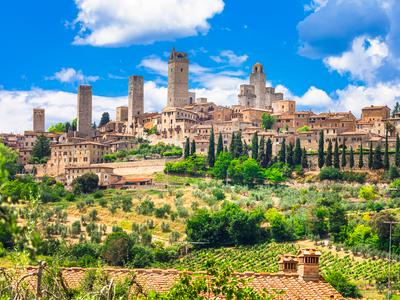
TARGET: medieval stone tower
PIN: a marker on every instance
(258, 80)
(135, 99)
(121, 114)
(178, 79)
(84, 109)
(38, 120)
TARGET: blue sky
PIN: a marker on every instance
(325, 54)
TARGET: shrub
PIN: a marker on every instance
(182, 212)
(84, 249)
(146, 207)
(329, 173)
(218, 194)
(93, 215)
(367, 192)
(353, 177)
(127, 204)
(342, 284)
(174, 236)
(165, 227)
(193, 166)
(161, 212)
(393, 172)
(76, 228)
(85, 184)
(141, 257)
(98, 194)
(103, 202)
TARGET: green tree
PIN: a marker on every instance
(377, 160)
(105, 118)
(274, 175)
(193, 148)
(328, 160)
(360, 157)
(289, 156)
(386, 163)
(232, 145)
(74, 124)
(67, 126)
(261, 153)
(254, 146)
(370, 157)
(87, 183)
(342, 284)
(336, 161)
(211, 149)
(267, 121)
(41, 149)
(247, 172)
(297, 153)
(238, 144)
(396, 109)
(397, 153)
(116, 248)
(8, 163)
(186, 153)
(220, 144)
(351, 158)
(268, 152)
(220, 169)
(282, 152)
(344, 160)
(59, 127)
(304, 159)
(321, 155)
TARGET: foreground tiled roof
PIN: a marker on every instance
(293, 286)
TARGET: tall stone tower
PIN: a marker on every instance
(38, 120)
(258, 79)
(84, 109)
(247, 96)
(135, 99)
(178, 79)
(121, 114)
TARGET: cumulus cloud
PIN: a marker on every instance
(155, 64)
(70, 75)
(126, 22)
(315, 5)
(229, 57)
(362, 61)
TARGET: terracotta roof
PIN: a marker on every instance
(293, 286)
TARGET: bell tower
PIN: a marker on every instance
(178, 79)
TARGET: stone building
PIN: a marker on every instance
(38, 120)
(373, 113)
(84, 124)
(135, 101)
(178, 79)
(121, 114)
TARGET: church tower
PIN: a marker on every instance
(178, 79)
(258, 80)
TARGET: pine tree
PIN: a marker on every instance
(370, 157)
(386, 163)
(377, 160)
(268, 152)
(211, 149)
(187, 148)
(344, 160)
(304, 159)
(289, 156)
(328, 160)
(220, 145)
(321, 155)
(41, 148)
(297, 153)
(360, 157)
(193, 148)
(261, 153)
(239, 144)
(336, 161)
(254, 146)
(351, 158)
(232, 145)
(397, 153)
(282, 152)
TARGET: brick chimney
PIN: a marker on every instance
(288, 263)
(308, 264)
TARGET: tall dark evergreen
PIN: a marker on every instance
(328, 160)
(232, 145)
(261, 153)
(268, 152)
(297, 153)
(41, 148)
(360, 157)
(282, 152)
(377, 160)
(186, 153)
(304, 159)
(220, 144)
(397, 153)
(386, 163)
(321, 155)
(239, 144)
(289, 155)
(351, 158)
(254, 146)
(344, 160)
(336, 161)
(370, 157)
(245, 149)
(211, 149)
(105, 118)
(193, 148)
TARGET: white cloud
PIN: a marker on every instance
(315, 5)
(155, 64)
(125, 22)
(70, 75)
(362, 61)
(228, 56)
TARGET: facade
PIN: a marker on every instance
(84, 109)
(121, 114)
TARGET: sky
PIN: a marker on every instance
(328, 55)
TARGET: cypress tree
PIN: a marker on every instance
(377, 160)
(282, 152)
(187, 148)
(321, 155)
(245, 149)
(220, 144)
(289, 157)
(360, 158)
(297, 153)
(268, 152)
(386, 163)
(328, 160)
(254, 146)
(336, 161)
(344, 160)
(397, 154)
(351, 158)
(304, 159)
(193, 148)
(226, 148)
(261, 153)
(239, 144)
(211, 149)
(232, 145)
(370, 157)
